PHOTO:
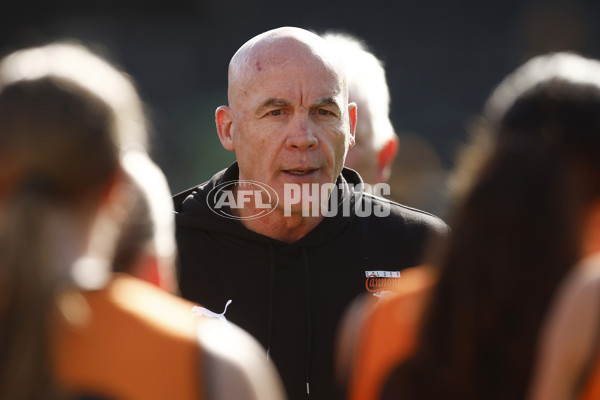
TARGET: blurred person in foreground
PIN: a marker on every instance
(467, 327)
(285, 232)
(568, 358)
(69, 328)
(376, 141)
(568, 352)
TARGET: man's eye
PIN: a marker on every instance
(275, 113)
(323, 112)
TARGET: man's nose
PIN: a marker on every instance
(301, 135)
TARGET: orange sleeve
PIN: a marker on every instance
(591, 390)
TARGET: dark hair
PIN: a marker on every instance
(60, 146)
(516, 233)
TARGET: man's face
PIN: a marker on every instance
(290, 123)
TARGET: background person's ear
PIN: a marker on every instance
(352, 113)
(385, 158)
(224, 122)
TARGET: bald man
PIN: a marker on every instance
(286, 232)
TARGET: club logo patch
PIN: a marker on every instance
(378, 281)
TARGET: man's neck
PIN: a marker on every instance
(278, 226)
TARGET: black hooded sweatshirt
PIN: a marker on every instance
(291, 296)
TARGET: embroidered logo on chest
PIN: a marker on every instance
(378, 281)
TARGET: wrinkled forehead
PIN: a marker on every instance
(303, 54)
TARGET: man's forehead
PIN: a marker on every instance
(294, 86)
(277, 56)
(281, 86)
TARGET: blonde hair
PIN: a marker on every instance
(150, 226)
(66, 118)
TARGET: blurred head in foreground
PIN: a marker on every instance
(66, 119)
(527, 213)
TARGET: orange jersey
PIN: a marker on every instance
(591, 390)
(389, 333)
(129, 341)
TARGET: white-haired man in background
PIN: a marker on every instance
(376, 141)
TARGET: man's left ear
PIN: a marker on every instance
(352, 113)
(224, 120)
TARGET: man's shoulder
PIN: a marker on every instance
(178, 198)
(205, 186)
(394, 213)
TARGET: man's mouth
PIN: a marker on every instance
(299, 172)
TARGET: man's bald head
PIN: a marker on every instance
(276, 48)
